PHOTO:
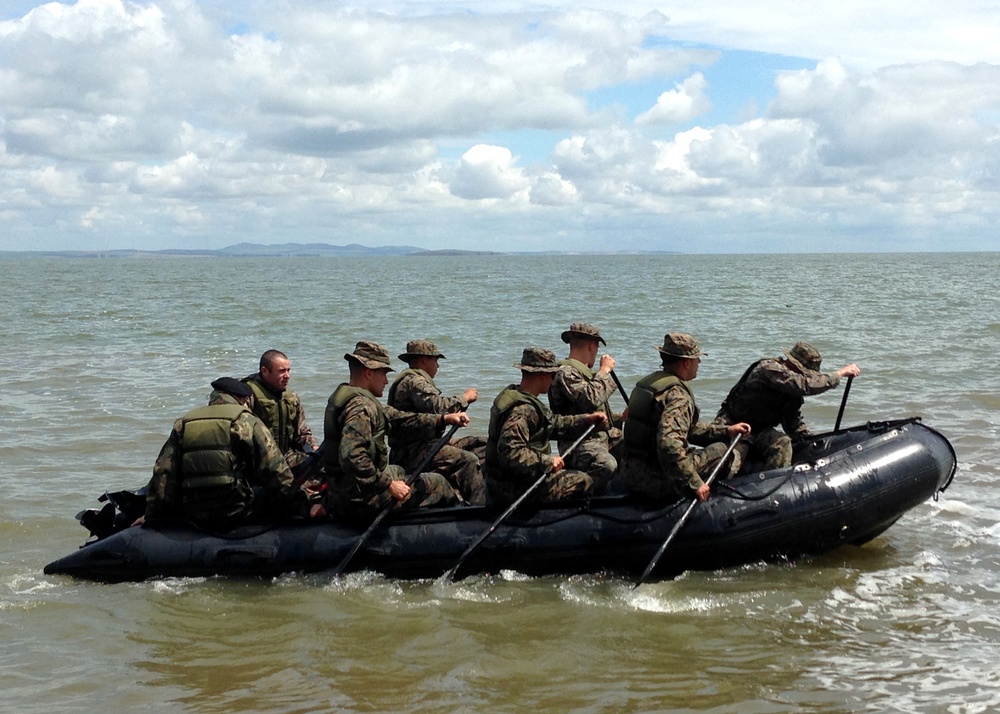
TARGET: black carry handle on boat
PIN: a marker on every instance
(843, 403)
(683, 519)
(385, 511)
(450, 575)
(621, 389)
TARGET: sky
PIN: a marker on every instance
(697, 126)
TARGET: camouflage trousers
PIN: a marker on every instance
(771, 445)
(457, 462)
(650, 480)
(428, 490)
(595, 459)
(556, 487)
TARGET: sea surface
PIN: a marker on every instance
(103, 355)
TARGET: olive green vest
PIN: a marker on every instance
(207, 458)
(279, 412)
(333, 428)
(588, 374)
(755, 402)
(643, 414)
(505, 401)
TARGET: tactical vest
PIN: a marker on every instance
(567, 407)
(280, 413)
(207, 458)
(643, 415)
(333, 428)
(757, 404)
(502, 405)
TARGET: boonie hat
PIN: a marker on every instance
(420, 348)
(371, 355)
(680, 344)
(804, 356)
(582, 329)
(233, 386)
(537, 359)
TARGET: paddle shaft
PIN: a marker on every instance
(683, 519)
(621, 389)
(385, 511)
(450, 575)
(843, 403)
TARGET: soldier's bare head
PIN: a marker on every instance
(275, 370)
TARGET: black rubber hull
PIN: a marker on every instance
(846, 488)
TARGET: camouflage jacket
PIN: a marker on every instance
(577, 389)
(260, 465)
(415, 391)
(358, 471)
(518, 450)
(771, 393)
(677, 427)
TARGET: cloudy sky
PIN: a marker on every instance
(688, 125)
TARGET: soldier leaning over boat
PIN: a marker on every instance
(361, 481)
(221, 466)
(662, 426)
(771, 393)
(414, 391)
(578, 389)
(281, 409)
(518, 450)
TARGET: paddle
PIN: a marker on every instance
(621, 389)
(385, 511)
(683, 519)
(843, 403)
(450, 575)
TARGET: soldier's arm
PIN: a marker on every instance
(306, 438)
(585, 395)
(788, 381)
(427, 399)
(163, 490)
(671, 440)
(275, 478)
(421, 425)
(513, 446)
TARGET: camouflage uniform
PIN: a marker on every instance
(518, 449)
(263, 482)
(577, 389)
(663, 423)
(414, 391)
(355, 451)
(771, 393)
(284, 415)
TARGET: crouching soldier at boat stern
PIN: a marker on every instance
(770, 393)
(361, 482)
(578, 389)
(221, 466)
(662, 425)
(518, 450)
(414, 391)
(281, 409)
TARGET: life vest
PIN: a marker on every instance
(507, 399)
(279, 412)
(560, 406)
(757, 404)
(333, 427)
(207, 458)
(643, 414)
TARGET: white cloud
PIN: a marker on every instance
(681, 104)
(488, 172)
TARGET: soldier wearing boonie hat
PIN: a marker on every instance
(254, 480)
(579, 389)
(771, 393)
(361, 480)
(518, 449)
(663, 428)
(414, 390)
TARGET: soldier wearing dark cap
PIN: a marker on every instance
(414, 391)
(518, 450)
(578, 389)
(221, 466)
(361, 480)
(280, 408)
(771, 393)
(662, 426)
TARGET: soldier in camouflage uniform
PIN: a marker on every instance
(771, 393)
(578, 389)
(221, 466)
(361, 480)
(414, 391)
(518, 450)
(281, 409)
(662, 424)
